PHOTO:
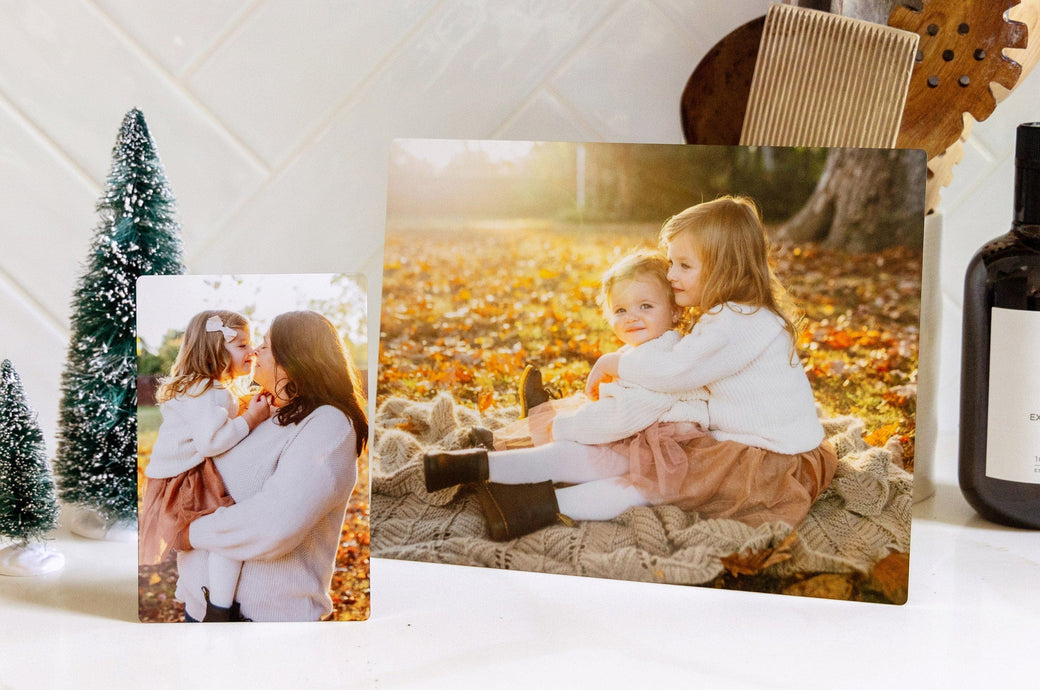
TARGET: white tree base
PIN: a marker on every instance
(90, 524)
(27, 560)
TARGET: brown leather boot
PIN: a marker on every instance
(513, 510)
(214, 613)
(446, 468)
(531, 391)
(235, 614)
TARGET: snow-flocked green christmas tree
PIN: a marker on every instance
(28, 507)
(137, 235)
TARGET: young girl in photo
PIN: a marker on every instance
(200, 419)
(762, 457)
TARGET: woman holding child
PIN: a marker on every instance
(289, 479)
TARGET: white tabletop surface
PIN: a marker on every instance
(971, 620)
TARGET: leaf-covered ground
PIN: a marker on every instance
(464, 309)
(350, 580)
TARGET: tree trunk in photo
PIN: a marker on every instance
(609, 188)
(866, 200)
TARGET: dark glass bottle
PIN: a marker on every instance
(1000, 359)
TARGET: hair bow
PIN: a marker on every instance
(214, 324)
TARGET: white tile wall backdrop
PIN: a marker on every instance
(274, 119)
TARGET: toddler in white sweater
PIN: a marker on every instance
(200, 419)
(640, 307)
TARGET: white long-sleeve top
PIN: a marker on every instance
(197, 425)
(759, 394)
(624, 408)
(291, 485)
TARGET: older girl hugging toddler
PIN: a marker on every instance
(757, 455)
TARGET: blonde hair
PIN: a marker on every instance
(734, 251)
(203, 357)
(638, 265)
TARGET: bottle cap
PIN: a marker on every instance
(1027, 146)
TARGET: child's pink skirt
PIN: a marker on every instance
(680, 463)
(171, 504)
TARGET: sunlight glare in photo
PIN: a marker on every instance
(168, 302)
(440, 153)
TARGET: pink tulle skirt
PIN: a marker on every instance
(680, 463)
(171, 504)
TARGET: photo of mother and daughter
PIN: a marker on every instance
(250, 488)
(720, 420)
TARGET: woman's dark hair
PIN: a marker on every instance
(319, 369)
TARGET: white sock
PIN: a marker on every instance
(603, 499)
(222, 580)
(560, 461)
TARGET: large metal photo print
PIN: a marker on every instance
(690, 365)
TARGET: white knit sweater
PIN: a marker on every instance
(624, 408)
(195, 426)
(758, 392)
(291, 485)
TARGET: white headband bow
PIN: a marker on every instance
(214, 324)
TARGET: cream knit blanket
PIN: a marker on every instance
(863, 516)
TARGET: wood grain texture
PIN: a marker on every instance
(961, 53)
(916, 119)
(826, 80)
(716, 94)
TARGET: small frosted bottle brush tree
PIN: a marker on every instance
(137, 235)
(28, 507)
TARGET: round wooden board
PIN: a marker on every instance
(716, 94)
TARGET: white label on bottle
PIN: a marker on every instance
(1013, 428)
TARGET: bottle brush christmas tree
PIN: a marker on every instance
(137, 235)
(28, 507)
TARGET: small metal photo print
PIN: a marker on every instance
(252, 448)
